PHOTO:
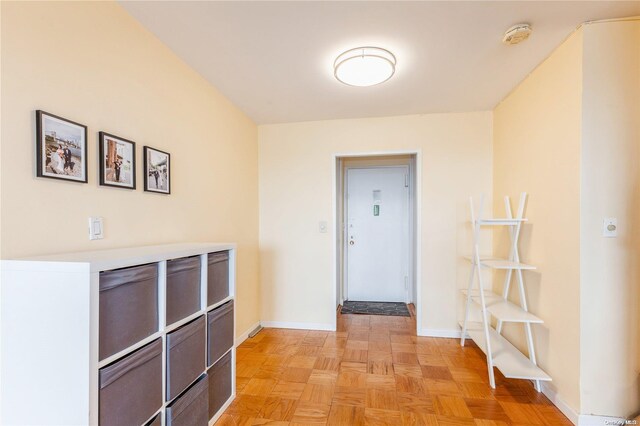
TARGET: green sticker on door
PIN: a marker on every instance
(376, 210)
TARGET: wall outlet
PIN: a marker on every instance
(96, 228)
(610, 227)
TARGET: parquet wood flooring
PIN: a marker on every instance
(374, 370)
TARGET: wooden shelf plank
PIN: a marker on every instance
(504, 264)
(503, 309)
(495, 263)
(500, 221)
(512, 363)
(488, 295)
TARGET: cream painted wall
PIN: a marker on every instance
(93, 63)
(537, 149)
(576, 154)
(296, 166)
(610, 267)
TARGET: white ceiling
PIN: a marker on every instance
(274, 59)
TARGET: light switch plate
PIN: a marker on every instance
(322, 227)
(96, 228)
(610, 227)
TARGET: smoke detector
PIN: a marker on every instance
(516, 34)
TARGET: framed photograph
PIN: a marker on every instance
(157, 171)
(61, 148)
(117, 161)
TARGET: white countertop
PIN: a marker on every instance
(102, 260)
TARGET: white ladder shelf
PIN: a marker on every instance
(500, 353)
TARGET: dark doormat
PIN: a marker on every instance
(396, 309)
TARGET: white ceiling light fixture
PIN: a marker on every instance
(364, 66)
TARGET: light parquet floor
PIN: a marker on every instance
(375, 371)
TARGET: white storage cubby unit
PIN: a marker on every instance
(499, 351)
(51, 367)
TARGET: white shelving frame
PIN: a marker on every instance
(499, 351)
(51, 377)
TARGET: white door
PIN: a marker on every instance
(377, 234)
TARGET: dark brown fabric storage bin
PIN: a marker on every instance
(128, 307)
(220, 331)
(219, 383)
(183, 288)
(191, 408)
(217, 277)
(156, 421)
(131, 388)
(185, 356)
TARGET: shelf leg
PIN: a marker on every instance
(515, 256)
(505, 295)
(527, 327)
(485, 322)
(507, 278)
(532, 352)
(466, 311)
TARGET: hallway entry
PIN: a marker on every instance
(377, 240)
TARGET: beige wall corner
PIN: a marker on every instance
(296, 163)
(537, 150)
(610, 182)
(94, 64)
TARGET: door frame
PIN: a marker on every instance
(409, 290)
(415, 201)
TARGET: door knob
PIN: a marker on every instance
(351, 242)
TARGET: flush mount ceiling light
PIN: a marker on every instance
(364, 66)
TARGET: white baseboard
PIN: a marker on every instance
(576, 418)
(299, 325)
(549, 391)
(591, 420)
(244, 336)
(431, 332)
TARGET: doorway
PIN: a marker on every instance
(376, 228)
(377, 234)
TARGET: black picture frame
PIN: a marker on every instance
(162, 175)
(104, 137)
(71, 138)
